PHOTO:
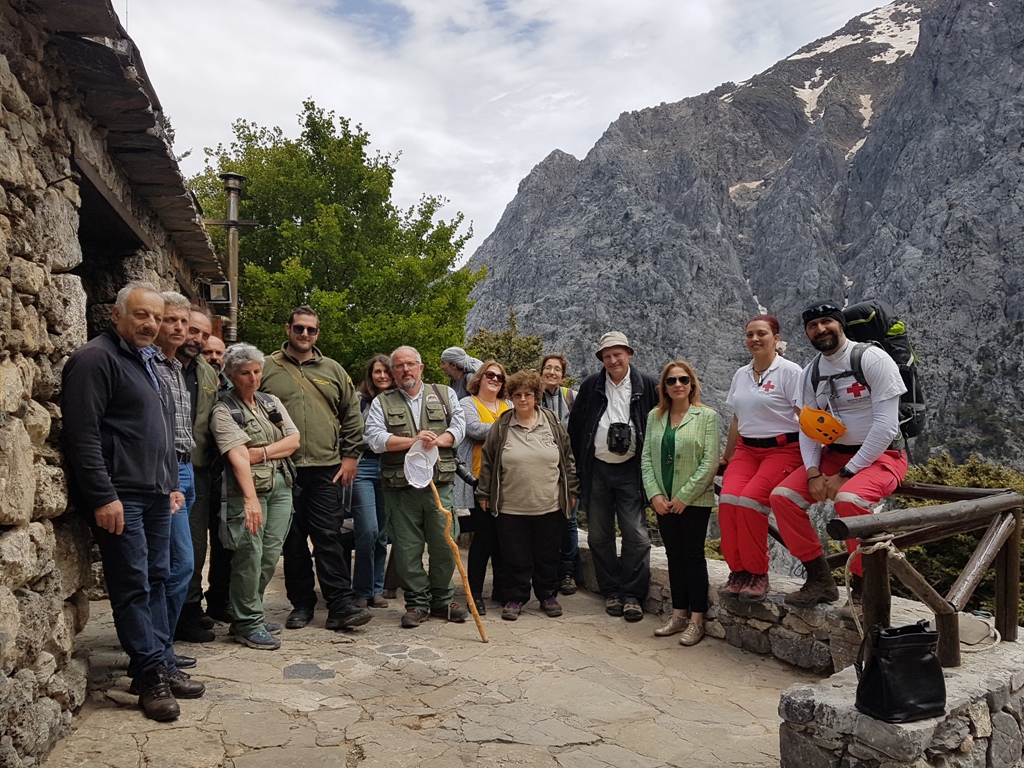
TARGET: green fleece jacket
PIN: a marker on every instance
(325, 440)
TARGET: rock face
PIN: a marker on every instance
(883, 161)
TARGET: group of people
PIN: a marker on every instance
(179, 449)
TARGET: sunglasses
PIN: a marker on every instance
(312, 330)
(494, 376)
(671, 380)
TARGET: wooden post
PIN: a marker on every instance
(948, 651)
(998, 532)
(1008, 582)
(877, 597)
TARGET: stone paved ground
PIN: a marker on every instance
(581, 690)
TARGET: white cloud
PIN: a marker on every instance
(472, 93)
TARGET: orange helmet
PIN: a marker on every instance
(820, 426)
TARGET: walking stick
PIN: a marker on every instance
(471, 603)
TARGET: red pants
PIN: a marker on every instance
(858, 496)
(743, 505)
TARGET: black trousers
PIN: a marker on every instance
(484, 547)
(319, 514)
(530, 547)
(684, 537)
(204, 523)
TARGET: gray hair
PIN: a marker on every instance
(406, 349)
(135, 285)
(175, 299)
(240, 354)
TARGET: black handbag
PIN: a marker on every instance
(902, 680)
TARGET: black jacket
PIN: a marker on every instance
(590, 404)
(115, 435)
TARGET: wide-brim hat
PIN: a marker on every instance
(613, 339)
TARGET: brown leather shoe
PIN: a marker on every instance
(155, 697)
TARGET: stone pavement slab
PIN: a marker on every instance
(582, 690)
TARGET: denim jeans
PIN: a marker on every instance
(371, 537)
(182, 557)
(136, 563)
(569, 552)
(616, 495)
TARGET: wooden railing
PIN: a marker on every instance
(999, 511)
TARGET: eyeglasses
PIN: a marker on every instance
(523, 395)
(671, 380)
(494, 376)
(312, 330)
(553, 368)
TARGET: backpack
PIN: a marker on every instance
(265, 400)
(875, 322)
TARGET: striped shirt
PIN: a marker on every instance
(169, 372)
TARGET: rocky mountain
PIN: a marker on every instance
(883, 161)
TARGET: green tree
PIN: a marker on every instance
(330, 236)
(508, 347)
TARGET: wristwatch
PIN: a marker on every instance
(846, 472)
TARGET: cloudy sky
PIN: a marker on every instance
(473, 93)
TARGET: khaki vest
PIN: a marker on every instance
(399, 421)
(264, 476)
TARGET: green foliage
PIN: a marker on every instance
(508, 347)
(941, 562)
(330, 236)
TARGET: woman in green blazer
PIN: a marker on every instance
(679, 461)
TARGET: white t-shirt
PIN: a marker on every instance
(617, 412)
(766, 409)
(849, 400)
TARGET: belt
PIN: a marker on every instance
(770, 442)
(185, 458)
(850, 449)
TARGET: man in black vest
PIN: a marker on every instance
(395, 420)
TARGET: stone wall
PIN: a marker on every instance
(44, 548)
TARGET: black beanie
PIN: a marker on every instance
(823, 308)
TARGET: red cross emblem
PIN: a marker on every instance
(768, 386)
(856, 389)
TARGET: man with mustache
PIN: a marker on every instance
(118, 443)
(861, 467)
(202, 384)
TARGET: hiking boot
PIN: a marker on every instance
(347, 617)
(551, 607)
(414, 617)
(272, 627)
(693, 634)
(734, 584)
(673, 626)
(511, 610)
(452, 612)
(755, 588)
(568, 585)
(206, 622)
(260, 640)
(298, 618)
(191, 632)
(155, 697)
(631, 610)
(820, 587)
(378, 601)
(184, 687)
(613, 606)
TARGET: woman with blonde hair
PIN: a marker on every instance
(679, 461)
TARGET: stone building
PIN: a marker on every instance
(90, 197)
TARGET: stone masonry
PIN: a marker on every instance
(55, 230)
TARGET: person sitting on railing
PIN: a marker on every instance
(850, 443)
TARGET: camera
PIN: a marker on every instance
(465, 474)
(619, 438)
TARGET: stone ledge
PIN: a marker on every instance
(819, 639)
